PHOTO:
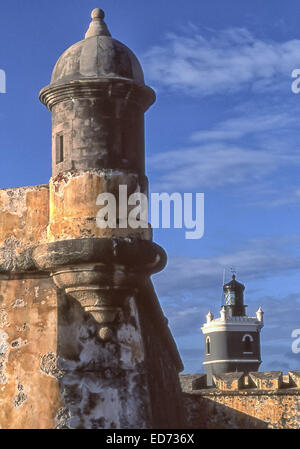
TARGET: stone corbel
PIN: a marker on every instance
(97, 293)
(100, 273)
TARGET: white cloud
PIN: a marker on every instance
(215, 165)
(260, 258)
(238, 127)
(244, 149)
(280, 198)
(221, 62)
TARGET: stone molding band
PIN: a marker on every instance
(142, 96)
(137, 255)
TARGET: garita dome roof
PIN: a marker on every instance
(98, 56)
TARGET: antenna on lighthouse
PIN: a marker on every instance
(233, 271)
(222, 294)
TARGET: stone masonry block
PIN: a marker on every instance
(295, 378)
(199, 382)
(229, 381)
(270, 380)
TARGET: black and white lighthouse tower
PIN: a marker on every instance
(232, 342)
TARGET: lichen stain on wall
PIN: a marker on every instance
(130, 340)
(3, 357)
(103, 383)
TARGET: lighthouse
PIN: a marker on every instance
(232, 341)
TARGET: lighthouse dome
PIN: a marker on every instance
(233, 285)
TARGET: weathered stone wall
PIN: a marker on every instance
(28, 322)
(125, 381)
(59, 366)
(24, 214)
(28, 314)
(105, 131)
(257, 401)
(24, 217)
(102, 381)
(161, 358)
(73, 204)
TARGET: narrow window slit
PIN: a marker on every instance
(59, 148)
(208, 345)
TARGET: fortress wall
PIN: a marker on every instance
(24, 214)
(24, 217)
(28, 314)
(28, 323)
(260, 400)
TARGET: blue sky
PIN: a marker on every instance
(225, 123)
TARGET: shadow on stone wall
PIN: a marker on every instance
(204, 413)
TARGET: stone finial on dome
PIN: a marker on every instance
(97, 26)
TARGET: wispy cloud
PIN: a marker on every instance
(244, 149)
(254, 124)
(290, 197)
(221, 62)
(258, 259)
(215, 165)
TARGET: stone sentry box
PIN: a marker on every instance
(84, 342)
